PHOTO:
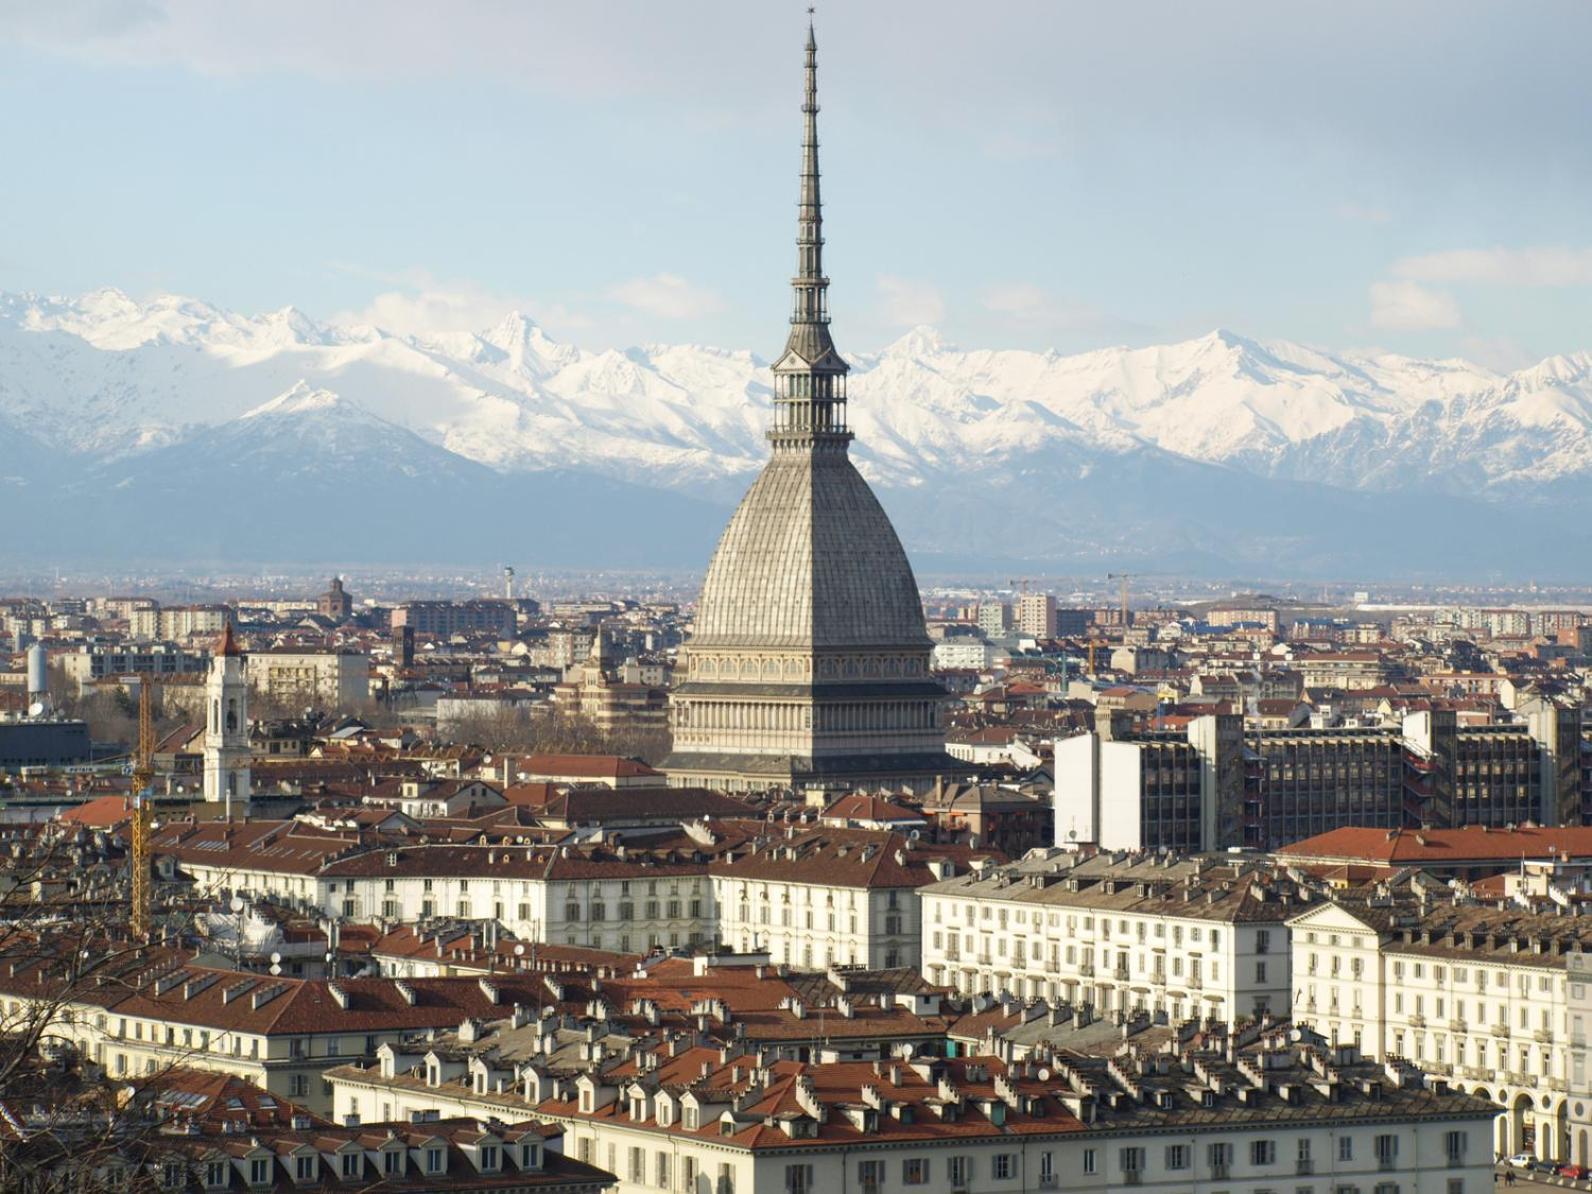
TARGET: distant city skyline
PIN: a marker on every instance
(1409, 177)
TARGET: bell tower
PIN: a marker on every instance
(227, 725)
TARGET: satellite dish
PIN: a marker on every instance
(275, 958)
(1044, 1074)
(237, 904)
(36, 709)
(519, 950)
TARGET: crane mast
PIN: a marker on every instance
(143, 793)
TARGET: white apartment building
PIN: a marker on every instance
(279, 1033)
(295, 678)
(704, 1120)
(957, 654)
(827, 897)
(1480, 995)
(811, 898)
(1191, 937)
(177, 622)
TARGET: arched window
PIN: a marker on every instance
(232, 714)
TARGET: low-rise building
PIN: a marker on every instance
(1187, 937)
(732, 1120)
(1477, 994)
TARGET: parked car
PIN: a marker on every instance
(1522, 1160)
(1573, 1171)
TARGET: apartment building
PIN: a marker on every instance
(92, 662)
(729, 1120)
(444, 619)
(177, 622)
(1123, 789)
(294, 678)
(825, 897)
(1479, 995)
(1188, 937)
(140, 1015)
(1036, 615)
(1214, 785)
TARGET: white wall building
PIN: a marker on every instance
(1188, 937)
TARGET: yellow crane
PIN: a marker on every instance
(143, 813)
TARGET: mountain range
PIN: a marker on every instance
(174, 431)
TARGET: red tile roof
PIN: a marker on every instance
(1472, 845)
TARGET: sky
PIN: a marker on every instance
(1020, 173)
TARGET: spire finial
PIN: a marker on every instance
(809, 377)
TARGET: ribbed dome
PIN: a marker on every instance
(810, 560)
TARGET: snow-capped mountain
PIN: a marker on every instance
(1224, 450)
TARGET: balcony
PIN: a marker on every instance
(1194, 982)
(1387, 1164)
(1500, 1030)
(1417, 1020)
(1458, 1026)
(1132, 1177)
(1304, 1167)
(1544, 1036)
(1086, 969)
(1120, 974)
(1219, 1172)
(1047, 1181)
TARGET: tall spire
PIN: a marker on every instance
(810, 281)
(809, 377)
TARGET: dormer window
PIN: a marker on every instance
(304, 1168)
(351, 1164)
(259, 1171)
(433, 1160)
(172, 1174)
(530, 1156)
(690, 1116)
(392, 1162)
(489, 1158)
(586, 1101)
(215, 1173)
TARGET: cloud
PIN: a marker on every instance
(1035, 307)
(667, 296)
(907, 303)
(423, 306)
(1542, 266)
(1410, 307)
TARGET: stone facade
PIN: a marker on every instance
(809, 662)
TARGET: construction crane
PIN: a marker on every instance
(1124, 577)
(1094, 645)
(143, 812)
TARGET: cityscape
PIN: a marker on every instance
(460, 761)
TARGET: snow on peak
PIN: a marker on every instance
(920, 341)
(299, 399)
(124, 374)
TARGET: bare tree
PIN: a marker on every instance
(64, 953)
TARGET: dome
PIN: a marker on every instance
(810, 559)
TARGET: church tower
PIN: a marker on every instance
(808, 663)
(226, 752)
